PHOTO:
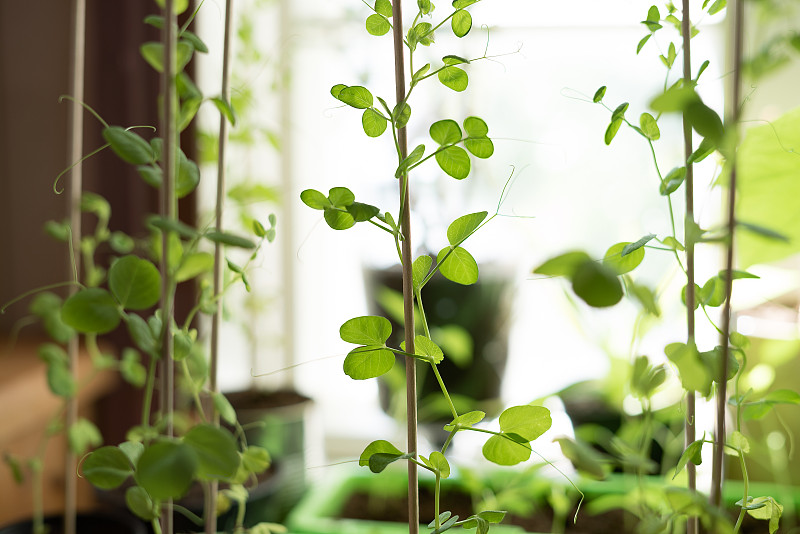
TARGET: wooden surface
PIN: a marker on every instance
(26, 408)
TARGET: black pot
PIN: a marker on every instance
(96, 523)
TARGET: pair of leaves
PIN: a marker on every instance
(455, 160)
(455, 262)
(340, 209)
(372, 358)
(595, 283)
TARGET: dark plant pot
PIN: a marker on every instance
(275, 420)
(97, 523)
(481, 310)
(324, 508)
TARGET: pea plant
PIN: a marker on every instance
(702, 371)
(456, 142)
(168, 452)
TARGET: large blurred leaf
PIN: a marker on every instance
(769, 190)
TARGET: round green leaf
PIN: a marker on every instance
(459, 266)
(373, 122)
(107, 468)
(83, 435)
(188, 176)
(166, 469)
(134, 282)
(424, 346)
(128, 145)
(454, 78)
(461, 23)
(465, 420)
(341, 196)
(383, 7)
(528, 422)
(623, 264)
(454, 160)
(216, 450)
(480, 147)
(649, 126)
(464, 226)
(362, 212)
(140, 503)
(363, 363)
(380, 446)
(596, 284)
(564, 265)
(91, 310)
(476, 127)
(314, 199)
(193, 265)
(503, 450)
(420, 269)
(256, 459)
(672, 181)
(339, 219)
(60, 379)
(705, 121)
(356, 96)
(366, 330)
(378, 25)
(439, 462)
(445, 132)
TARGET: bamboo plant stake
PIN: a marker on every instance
(75, 129)
(733, 122)
(216, 320)
(689, 433)
(408, 290)
(168, 210)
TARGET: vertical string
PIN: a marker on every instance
(408, 292)
(75, 119)
(690, 433)
(216, 320)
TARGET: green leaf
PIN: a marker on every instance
(256, 459)
(378, 25)
(642, 42)
(475, 127)
(445, 132)
(645, 296)
(692, 372)
(142, 334)
(619, 112)
(60, 379)
(713, 292)
(715, 8)
(461, 23)
(378, 447)
(766, 508)
(225, 108)
(420, 269)
(454, 78)
(91, 311)
(599, 94)
(216, 451)
(128, 145)
(107, 468)
(410, 160)
(454, 161)
(451, 59)
(338, 218)
(47, 306)
(224, 408)
(503, 450)
(356, 96)
(195, 41)
(692, 453)
(141, 504)
(82, 436)
(134, 282)
(423, 346)
(763, 231)
(314, 199)
(337, 89)
(622, 264)
(170, 225)
(366, 330)
(705, 149)
(526, 421)
(439, 463)
(131, 369)
(401, 114)
(596, 284)
(612, 130)
(586, 459)
(362, 212)
(564, 265)
(480, 147)
(676, 98)
(367, 362)
(417, 76)
(458, 266)
(672, 181)
(459, 4)
(383, 7)
(463, 227)
(653, 17)
(705, 121)
(193, 265)
(178, 6)
(188, 111)
(649, 126)
(229, 239)
(166, 469)
(466, 420)
(374, 123)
